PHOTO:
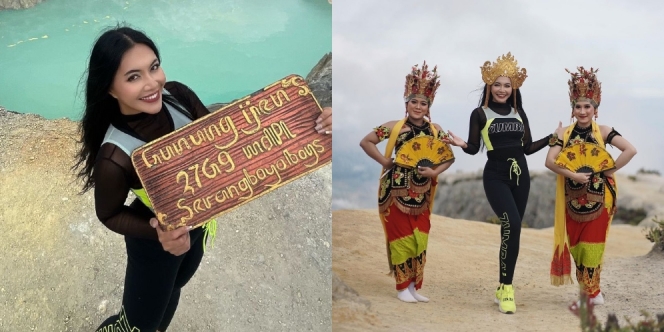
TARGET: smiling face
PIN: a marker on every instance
(138, 82)
(584, 111)
(417, 108)
(501, 89)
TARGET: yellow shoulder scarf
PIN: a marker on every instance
(391, 142)
(561, 265)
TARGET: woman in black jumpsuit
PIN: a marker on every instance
(124, 87)
(500, 123)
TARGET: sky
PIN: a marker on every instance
(375, 43)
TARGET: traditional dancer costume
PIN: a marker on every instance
(405, 198)
(583, 211)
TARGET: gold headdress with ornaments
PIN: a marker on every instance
(506, 66)
(422, 83)
(584, 86)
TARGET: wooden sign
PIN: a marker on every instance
(234, 155)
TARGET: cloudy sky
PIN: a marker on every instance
(375, 43)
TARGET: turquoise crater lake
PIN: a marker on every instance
(221, 49)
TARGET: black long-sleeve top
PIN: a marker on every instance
(508, 136)
(114, 173)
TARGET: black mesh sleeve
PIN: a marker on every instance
(477, 122)
(530, 147)
(111, 191)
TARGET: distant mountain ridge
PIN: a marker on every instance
(461, 195)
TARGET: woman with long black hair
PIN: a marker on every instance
(501, 124)
(128, 102)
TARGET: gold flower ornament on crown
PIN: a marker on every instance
(422, 83)
(584, 86)
(506, 66)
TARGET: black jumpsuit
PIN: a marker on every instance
(506, 135)
(154, 277)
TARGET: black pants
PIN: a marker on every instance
(508, 200)
(152, 284)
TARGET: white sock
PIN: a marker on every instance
(404, 295)
(417, 296)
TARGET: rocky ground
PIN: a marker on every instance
(62, 270)
(18, 4)
(461, 276)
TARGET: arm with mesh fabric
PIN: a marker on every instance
(110, 192)
(530, 147)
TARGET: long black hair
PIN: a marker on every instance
(515, 93)
(101, 109)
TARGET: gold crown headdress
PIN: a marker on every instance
(422, 83)
(584, 86)
(506, 66)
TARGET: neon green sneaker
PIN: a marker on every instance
(506, 305)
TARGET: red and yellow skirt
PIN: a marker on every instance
(587, 241)
(408, 236)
